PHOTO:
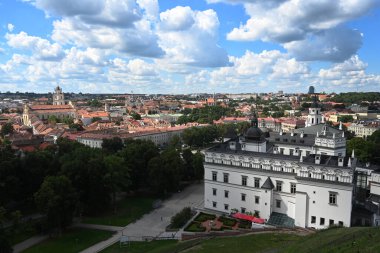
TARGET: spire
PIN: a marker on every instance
(349, 162)
(343, 134)
(340, 126)
(254, 121)
(353, 153)
(301, 158)
(323, 120)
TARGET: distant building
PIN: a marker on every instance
(292, 124)
(363, 130)
(59, 109)
(58, 96)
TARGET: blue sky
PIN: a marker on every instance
(183, 46)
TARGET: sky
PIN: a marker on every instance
(189, 46)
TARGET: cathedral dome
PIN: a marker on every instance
(254, 133)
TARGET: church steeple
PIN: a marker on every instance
(314, 117)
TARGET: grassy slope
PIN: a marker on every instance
(128, 211)
(358, 239)
(73, 240)
(327, 241)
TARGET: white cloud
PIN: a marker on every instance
(42, 48)
(177, 19)
(123, 26)
(10, 27)
(334, 45)
(306, 24)
(190, 38)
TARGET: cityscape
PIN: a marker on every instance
(180, 126)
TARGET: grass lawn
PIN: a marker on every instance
(201, 217)
(128, 210)
(72, 241)
(337, 240)
(143, 247)
(340, 240)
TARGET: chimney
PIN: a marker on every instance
(353, 153)
(317, 159)
(340, 161)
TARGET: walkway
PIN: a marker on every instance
(154, 223)
(29, 243)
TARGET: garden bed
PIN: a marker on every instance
(195, 227)
(228, 222)
(201, 217)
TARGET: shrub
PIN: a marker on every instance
(245, 224)
(180, 219)
(195, 227)
(228, 222)
(204, 216)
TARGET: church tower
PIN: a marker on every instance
(58, 97)
(315, 116)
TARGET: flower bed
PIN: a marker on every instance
(201, 217)
(245, 224)
(195, 227)
(228, 222)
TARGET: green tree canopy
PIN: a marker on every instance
(58, 200)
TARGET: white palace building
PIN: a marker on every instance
(302, 178)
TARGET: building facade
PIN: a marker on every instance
(303, 175)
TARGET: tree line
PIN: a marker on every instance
(70, 179)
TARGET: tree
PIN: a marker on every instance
(137, 154)
(165, 172)
(113, 145)
(6, 129)
(346, 118)
(58, 200)
(5, 246)
(135, 115)
(52, 119)
(364, 150)
(94, 119)
(117, 176)
(197, 164)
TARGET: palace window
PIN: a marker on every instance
(322, 221)
(313, 219)
(331, 222)
(243, 210)
(226, 207)
(244, 180)
(214, 191)
(257, 200)
(214, 204)
(214, 176)
(243, 197)
(292, 188)
(332, 198)
(225, 177)
(278, 203)
(226, 193)
(257, 182)
(278, 186)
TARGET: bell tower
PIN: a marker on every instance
(315, 116)
(58, 97)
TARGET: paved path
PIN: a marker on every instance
(29, 243)
(154, 223)
(100, 227)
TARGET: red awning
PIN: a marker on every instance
(243, 216)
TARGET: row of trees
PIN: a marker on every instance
(72, 179)
(206, 114)
(366, 150)
(203, 136)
